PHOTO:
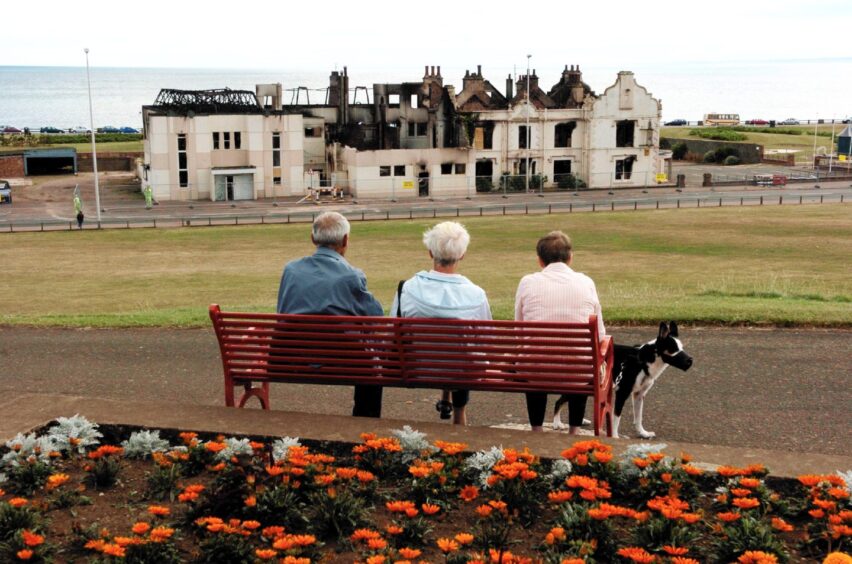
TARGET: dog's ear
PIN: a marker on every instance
(673, 329)
(664, 330)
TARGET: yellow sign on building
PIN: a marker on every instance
(662, 177)
(408, 184)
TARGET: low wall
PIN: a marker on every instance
(750, 153)
(783, 160)
(11, 166)
(108, 162)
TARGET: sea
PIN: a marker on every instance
(37, 97)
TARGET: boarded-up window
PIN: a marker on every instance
(384, 171)
(460, 168)
(447, 168)
(399, 170)
(624, 168)
(522, 137)
(238, 140)
(215, 140)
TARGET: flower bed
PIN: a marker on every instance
(80, 493)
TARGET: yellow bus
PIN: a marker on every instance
(721, 119)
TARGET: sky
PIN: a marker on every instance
(394, 35)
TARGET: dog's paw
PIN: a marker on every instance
(647, 434)
(558, 425)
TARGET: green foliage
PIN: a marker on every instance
(679, 151)
(38, 140)
(565, 181)
(162, 483)
(153, 553)
(722, 155)
(283, 506)
(233, 549)
(226, 495)
(718, 134)
(574, 518)
(731, 160)
(13, 519)
(28, 476)
(335, 514)
(484, 184)
(745, 534)
(103, 472)
(659, 531)
(710, 156)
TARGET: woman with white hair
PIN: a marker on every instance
(443, 293)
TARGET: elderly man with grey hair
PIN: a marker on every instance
(444, 293)
(325, 284)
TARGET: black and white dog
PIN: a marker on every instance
(635, 371)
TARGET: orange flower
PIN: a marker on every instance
(25, 554)
(740, 492)
(31, 539)
(250, 501)
(265, 553)
(186, 497)
(691, 518)
(447, 545)
(399, 506)
(272, 532)
(464, 538)
(375, 559)
(251, 525)
(729, 516)
(215, 447)
(141, 528)
(411, 512)
(757, 557)
(636, 554)
(666, 477)
(816, 513)
(581, 459)
(745, 502)
(394, 530)
(641, 462)
(56, 480)
(750, 483)
(274, 470)
(18, 502)
(419, 471)
(655, 456)
(781, 525)
(838, 493)
(484, 510)
(364, 476)
(675, 550)
(602, 457)
(729, 471)
(692, 470)
(161, 534)
(158, 510)
(450, 448)
(409, 553)
(377, 544)
(682, 560)
(364, 534)
(573, 561)
(469, 493)
(114, 550)
(559, 496)
(430, 509)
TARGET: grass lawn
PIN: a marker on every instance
(772, 265)
(804, 143)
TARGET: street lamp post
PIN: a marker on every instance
(92, 131)
(528, 136)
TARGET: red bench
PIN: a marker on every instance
(492, 356)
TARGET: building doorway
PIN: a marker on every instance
(232, 187)
(423, 184)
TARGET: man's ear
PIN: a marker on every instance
(541, 262)
(314, 241)
(345, 241)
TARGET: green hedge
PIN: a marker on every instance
(718, 134)
(20, 140)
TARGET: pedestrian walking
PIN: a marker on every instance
(80, 218)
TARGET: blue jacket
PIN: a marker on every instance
(432, 294)
(325, 284)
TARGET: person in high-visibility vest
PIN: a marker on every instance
(149, 197)
(78, 205)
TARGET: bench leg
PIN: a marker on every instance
(261, 393)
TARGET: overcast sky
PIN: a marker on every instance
(401, 34)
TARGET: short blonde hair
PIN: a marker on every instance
(447, 242)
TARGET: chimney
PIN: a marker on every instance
(509, 84)
(334, 89)
(425, 71)
(479, 70)
(439, 71)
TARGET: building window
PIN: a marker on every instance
(384, 171)
(276, 158)
(393, 99)
(215, 140)
(460, 168)
(562, 133)
(416, 129)
(624, 133)
(227, 139)
(447, 168)
(238, 140)
(312, 132)
(183, 173)
(413, 101)
(624, 168)
(522, 137)
(399, 170)
(562, 173)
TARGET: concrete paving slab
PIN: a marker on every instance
(25, 411)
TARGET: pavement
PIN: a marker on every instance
(771, 389)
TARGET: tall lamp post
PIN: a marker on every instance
(92, 131)
(528, 136)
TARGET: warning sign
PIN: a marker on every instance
(408, 184)
(662, 177)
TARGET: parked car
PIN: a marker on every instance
(127, 129)
(50, 129)
(676, 122)
(79, 129)
(9, 129)
(108, 129)
(5, 192)
(790, 121)
(757, 122)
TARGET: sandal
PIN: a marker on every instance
(445, 408)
